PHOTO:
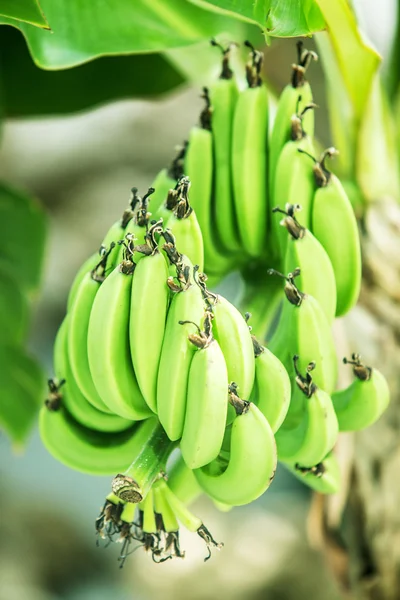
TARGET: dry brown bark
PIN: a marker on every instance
(359, 529)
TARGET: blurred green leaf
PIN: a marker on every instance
(377, 154)
(357, 60)
(13, 307)
(22, 236)
(28, 11)
(22, 390)
(277, 18)
(82, 31)
(99, 81)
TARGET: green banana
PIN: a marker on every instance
(176, 355)
(304, 251)
(83, 449)
(199, 168)
(289, 105)
(333, 219)
(88, 266)
(207, 399)
(149, 305)
(223, 96)
(232, 334)
(308, 442)
(184, 226)
(182, 481)
(294, 181)
(303, 329)
(271, 390)
(252, 460)
(363, 402)
(250, 159)
(323, 478)
(108, 348)
(79, 316)
(72, 398)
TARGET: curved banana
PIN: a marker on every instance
(250, 159)
(333, 219)
(289, 105)
(79, 316)
(232, 334)
(303, 329)
(308, 442)
(305, 252)
(294, 186)
(207, 399)
(108, 348)
(88, 266)
(223, 96)
(149, 305)
(324, 478)
(185, 228)
(199, 168)
(83, 449)
(271, 391)
(363, 402)
(176, 355)
(72, 398)
(252, 460)
(182, 481)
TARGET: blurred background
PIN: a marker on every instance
(81, 167)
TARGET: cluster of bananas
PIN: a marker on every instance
(148, 359)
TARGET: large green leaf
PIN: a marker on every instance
(13, 307)
(22, 390)
(83, 30)
(22, 236)
(358, 61)
(28, 11)
(278, 18)
(102, 80)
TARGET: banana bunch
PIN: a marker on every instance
(150, 362)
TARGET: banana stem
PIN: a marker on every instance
(153, 448)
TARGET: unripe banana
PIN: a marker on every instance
(108, 346)
(232, 333)
(223, 96)
(271, 391)
(84, 449)
(86, 268)
(252, 460)
(303, 329)
(316, 433)
(335, 226)
(199, 168)
(289, 105)
(305, 252)
(176, 355)
(363, 402)
(250, 159)
(79, 316)
(207, 399)
(323, 478)
(72, 398)
(294, 186)
(185, 228)
(182, 482)
(149, 304)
